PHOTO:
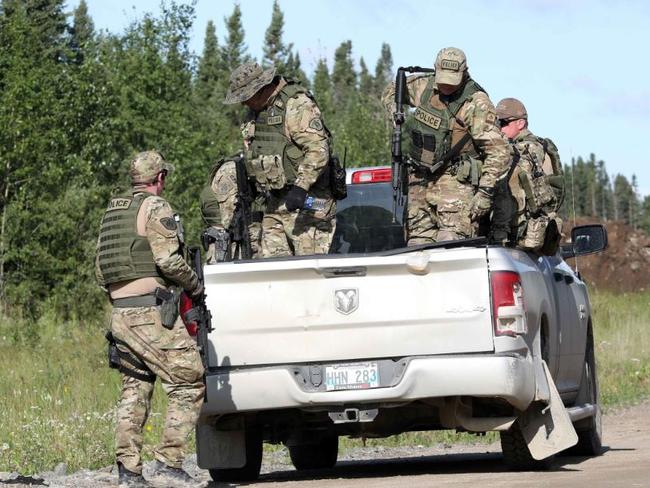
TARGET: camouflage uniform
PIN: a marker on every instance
(448, 204)
(223, 192)
(524, 201)
(288, 149)
(170, 354)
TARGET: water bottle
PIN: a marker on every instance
(313, 203)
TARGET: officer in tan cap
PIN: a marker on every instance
(454, 122)
(138, 261)
(287, 155)
(526, 203)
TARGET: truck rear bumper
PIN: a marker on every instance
(266, 388)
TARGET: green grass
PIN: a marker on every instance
(58, 398)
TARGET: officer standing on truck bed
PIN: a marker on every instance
(455, 122)
(526, 204)
(220, 208)
(288, 157)
(139, 261)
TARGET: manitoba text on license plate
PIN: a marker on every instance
(355, 376)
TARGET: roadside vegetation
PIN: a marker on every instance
(58, 397)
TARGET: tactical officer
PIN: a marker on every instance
(218, 208)
(138, 260)
(454, 122)
(526, 202)
(287, 154)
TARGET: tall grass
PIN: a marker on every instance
(58, 398)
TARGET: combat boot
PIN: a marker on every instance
(177, 476)
(129, 478)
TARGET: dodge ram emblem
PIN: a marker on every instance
(346, 300)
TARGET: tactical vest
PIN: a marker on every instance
(436, 127)
(123, 254)
(547, 186)
(272, 159)
(210, 212)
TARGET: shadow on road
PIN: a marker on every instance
(463, 463)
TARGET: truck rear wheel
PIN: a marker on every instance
(589, 430)
(320, 455)
(516, 453)
(249, 471)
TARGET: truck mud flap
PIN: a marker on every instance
(547, 429)
(218, 448)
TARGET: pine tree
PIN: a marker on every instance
(344, 78)
(383, 69)
(82, 32)
(235, 50)
(210, 70)
(323, 89)
(366, 82)
(275, 51)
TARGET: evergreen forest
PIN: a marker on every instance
(77, 103)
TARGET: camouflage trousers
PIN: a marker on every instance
(173, 357)
(438, 209)
(298, 233)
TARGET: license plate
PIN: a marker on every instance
(356, 376)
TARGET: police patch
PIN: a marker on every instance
(450, 64)
(316, 124)
(168, 223)
(427, 118)
(119, 204)
(275, 120)
(278, 103)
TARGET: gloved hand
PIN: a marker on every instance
(198, 291)
(295, 199)
(480, 205)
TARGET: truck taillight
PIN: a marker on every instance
(185, 306)
(372, 176)
(508, 311)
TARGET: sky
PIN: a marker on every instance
(580, 67)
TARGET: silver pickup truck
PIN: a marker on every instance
(376, 339)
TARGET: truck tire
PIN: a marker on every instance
(516, 454)
(249, 471)
(321, 455)
(589, 430)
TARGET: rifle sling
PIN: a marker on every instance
(449, 156)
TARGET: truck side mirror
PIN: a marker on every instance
(585, 239)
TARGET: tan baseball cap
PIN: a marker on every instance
(511, 109)
(146, 165)
(246, 80)
(451, 64)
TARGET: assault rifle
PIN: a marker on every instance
(398, 165)
(199, 312)
(239, 227)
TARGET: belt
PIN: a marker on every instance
(141, 301)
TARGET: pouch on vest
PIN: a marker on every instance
(535, 233)
(268, 171)
(169, 306)
(542, 192)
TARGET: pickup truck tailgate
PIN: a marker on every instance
(336, 309)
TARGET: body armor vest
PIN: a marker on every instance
(210, 212)
(436, 127)
(272, 158)
(123, 254)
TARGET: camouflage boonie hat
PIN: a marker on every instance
(246, 80)
(145, 166)
(511, 109)
(451, 64)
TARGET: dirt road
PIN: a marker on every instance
(625, 462)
